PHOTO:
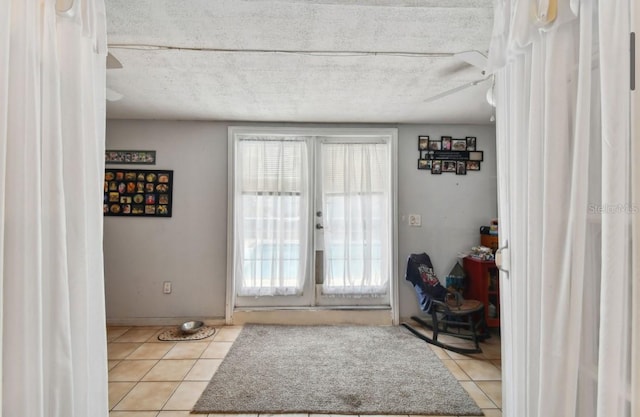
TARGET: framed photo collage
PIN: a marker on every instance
(138, 192)
(448, 154)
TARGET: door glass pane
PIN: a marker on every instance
(271, 216)
(356, 206)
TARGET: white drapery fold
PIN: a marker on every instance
(562, 94)
(52, 122)
(356, 206)
(271, 218)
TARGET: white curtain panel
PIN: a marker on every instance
(562, 93)
(271, 209)
(52, 120)
(356, 206)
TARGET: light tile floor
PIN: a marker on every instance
(151, 378)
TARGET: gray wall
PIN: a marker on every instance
(189, 249)
(453, 207)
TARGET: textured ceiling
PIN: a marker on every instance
(298, 60)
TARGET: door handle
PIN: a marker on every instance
(502, 257)
(319, 226)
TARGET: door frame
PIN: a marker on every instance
(232, 131)
(634, 131)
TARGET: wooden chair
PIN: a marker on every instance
(449, 313)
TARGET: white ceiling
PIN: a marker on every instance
(298, 60)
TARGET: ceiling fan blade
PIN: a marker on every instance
(112, 62)
(454, 69)
(465, 60)
(112, 95)
(475, 58)
(454, 90)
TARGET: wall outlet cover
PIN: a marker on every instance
(415, 220)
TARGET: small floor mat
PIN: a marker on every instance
(174, 334)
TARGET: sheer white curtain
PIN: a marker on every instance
(271, 209)
(52, 119)
(356, 207)
(562, 94)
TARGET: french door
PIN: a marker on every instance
(311, 217)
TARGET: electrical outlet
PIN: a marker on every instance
(415, 220)
(166, 287)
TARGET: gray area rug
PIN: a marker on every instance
(333, 370)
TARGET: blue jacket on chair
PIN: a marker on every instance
(425, 282)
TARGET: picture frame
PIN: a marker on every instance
(435, 144)
(133, 157)
(461, 168)
(448, 166)
(446, 143)
(422, 163)
(138, 192)
(436, 167)
(473, 165)
(471, 143)
(423, 143)
(459, 145)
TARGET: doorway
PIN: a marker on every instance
(311, 218)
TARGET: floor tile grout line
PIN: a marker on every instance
(462, 370)
(169, 398)
(156, 328)
(142, 377)
(488, 396)
(123, 397)
(145, 374)
(195, 360)
(163, 404)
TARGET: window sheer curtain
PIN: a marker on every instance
(356, 206)
(271, 215)
(562, 94)
(52, 120)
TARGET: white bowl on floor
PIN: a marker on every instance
(190, 327)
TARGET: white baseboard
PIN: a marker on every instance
(313, 316)
(162, 321)
(358, 316)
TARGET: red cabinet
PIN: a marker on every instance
(483, 285)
